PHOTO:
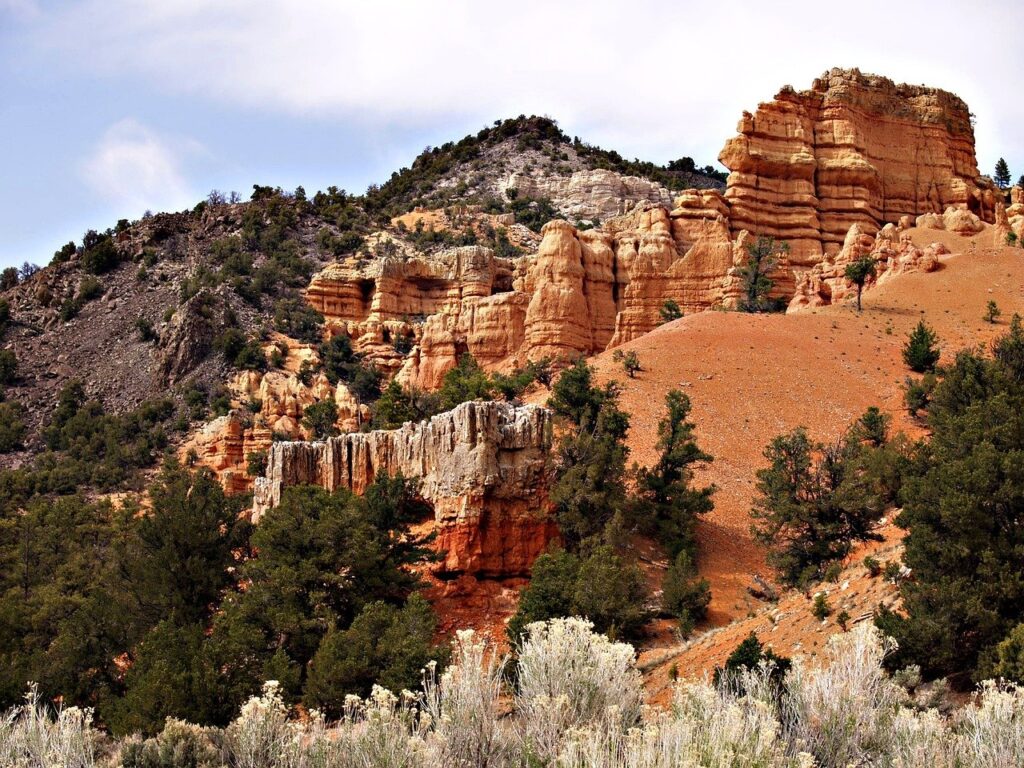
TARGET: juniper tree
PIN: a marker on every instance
(812, 504)
(962, 506)
(763, 256)
(858, 273)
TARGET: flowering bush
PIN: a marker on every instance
(577, 704)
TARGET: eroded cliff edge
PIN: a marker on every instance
(482, 466)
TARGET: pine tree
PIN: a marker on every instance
(763, 257)
(920, 352)
(1002, 175)
(667, 504)
(813, 503)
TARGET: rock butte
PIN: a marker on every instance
(482, 466)
(854, 149)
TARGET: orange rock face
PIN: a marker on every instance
(854, 149)
(894, 254)
(482, 466)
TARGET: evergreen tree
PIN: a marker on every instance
(175, 558)
(321, 418)
(385, 645)
(858, 273)
(601, 586)
(1002, 174)
(684, 594)
(667, 503)
(812, 505)
(763, 256)
(921, 352)
(466, 381)
(670, 311)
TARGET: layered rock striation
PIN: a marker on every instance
(580, 293)
(853, 149)
(482, 466)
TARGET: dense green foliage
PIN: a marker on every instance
(685, 595)
(763, 256)
(602, 586)
(858, 272)
(1002, 174)
(590, 457)
(385, 645)
(815, 501)
(963, 501)
(667, 505)
(749, 654)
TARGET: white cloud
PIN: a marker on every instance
(655, 78)
(135, 169)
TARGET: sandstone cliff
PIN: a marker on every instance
(483, 466)
(854, 149)
(581, 292)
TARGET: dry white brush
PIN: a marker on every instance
(576, 701)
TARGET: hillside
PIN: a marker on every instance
(309, 437)
(751, 378)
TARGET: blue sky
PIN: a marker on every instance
(112, 107)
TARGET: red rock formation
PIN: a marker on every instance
(854, 149)
(892, 250)
(483, 467)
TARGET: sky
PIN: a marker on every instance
(112, 107)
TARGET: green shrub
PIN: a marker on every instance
(873, 566)
(385, 645)
(921, 352)
(145, 329)
(684, 594)
(295, 318)
(99, 254)
(749, 654)
(670, 311)
(321, 418)
(8, 366)
(602, 586)
(821, 610)
(12, 426)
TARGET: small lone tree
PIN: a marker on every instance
(629, 360)
(670, 311)
(992, 311)
(764, 256)
(1002, 175)
(921, 352)
(858, 273)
